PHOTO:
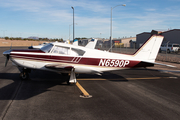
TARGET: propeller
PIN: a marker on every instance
(7, 54)
(7, 59)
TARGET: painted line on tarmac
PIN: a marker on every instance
(84, 92)
(147, 78)
(172, 71)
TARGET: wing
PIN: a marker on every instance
(59, 67)
(64, 68)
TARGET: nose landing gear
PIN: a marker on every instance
(24, 75)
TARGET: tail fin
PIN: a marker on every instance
(149, 50)
(75, 42)
(91, 44)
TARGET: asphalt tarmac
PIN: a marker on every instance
(139, 94)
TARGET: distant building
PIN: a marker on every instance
(105, 43)
(171, 35)
(128, 42)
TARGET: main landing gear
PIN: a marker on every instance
(24, 75)
(72, 76)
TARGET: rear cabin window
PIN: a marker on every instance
(78, 51)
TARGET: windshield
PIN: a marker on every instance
(47, 48)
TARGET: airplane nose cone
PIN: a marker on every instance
(7, 52)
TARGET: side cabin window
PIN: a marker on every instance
(67, 51)
(78, 51)
(60, 50)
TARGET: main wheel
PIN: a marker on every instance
(24, 75)
(67, 81)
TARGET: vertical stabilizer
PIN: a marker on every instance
(149, 50)
(75, 42)
(91, 44)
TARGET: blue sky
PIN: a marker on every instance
(53, 18)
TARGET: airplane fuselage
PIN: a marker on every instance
(37, 59)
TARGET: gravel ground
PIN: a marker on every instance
(173, 58)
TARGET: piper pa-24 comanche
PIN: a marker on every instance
(71, 59)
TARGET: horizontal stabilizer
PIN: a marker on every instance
(165, 65)
(161, 64)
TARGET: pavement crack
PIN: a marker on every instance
(16, 92)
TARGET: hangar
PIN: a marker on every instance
(171, 35)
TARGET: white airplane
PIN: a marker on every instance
(67, 58)
(75, 42)
(38, 46)
(91, 44)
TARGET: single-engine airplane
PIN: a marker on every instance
(72, 59)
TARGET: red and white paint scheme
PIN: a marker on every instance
(67, 58)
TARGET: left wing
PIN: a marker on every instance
(62, 67)
(59, 67)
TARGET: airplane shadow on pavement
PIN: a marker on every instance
(13, 88)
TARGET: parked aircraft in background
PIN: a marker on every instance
(91, 44)
(38, 46)
(72, 59)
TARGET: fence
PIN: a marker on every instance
(163, 56)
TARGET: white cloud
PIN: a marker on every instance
(93, 17)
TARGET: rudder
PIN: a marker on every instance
(149, 50)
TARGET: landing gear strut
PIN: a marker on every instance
(72, 78)
(24, 75)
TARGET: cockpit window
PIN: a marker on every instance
(47, 48)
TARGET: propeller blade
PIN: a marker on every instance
(7, 59)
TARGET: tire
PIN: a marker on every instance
(68, 83)
(24, 76)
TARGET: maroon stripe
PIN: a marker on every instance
(28, 50)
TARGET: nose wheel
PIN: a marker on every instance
(24, 75)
